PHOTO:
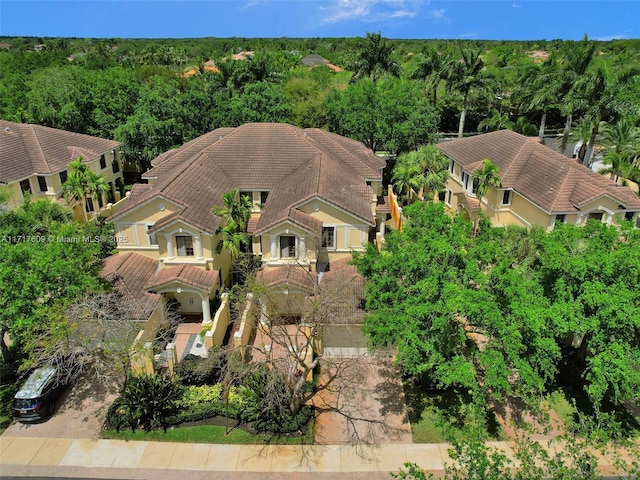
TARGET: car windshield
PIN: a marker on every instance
(25, 402)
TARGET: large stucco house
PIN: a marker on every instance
(316, 196)
(539, 185)
(34, 159)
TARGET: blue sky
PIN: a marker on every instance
(479, 19)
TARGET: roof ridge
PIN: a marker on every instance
(329, 137)
(43, 157)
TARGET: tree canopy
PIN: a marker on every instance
(505, 311)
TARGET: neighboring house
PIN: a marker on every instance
(539, 185)
(34, 159)
(315, 194)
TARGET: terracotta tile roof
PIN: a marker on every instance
(196, 277)
(293, 275)
(550, 180)
(27, 149)
(128, 274)
(293, 164)
(472, 202)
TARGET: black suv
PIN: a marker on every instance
(36, 399)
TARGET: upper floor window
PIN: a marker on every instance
(561, 218)
(506, 197)
(596, 216)
(25, 186)
(629, 216)
(184, 244)
(328, 237)
(42, 183)
(151, 236)
(103, 162)
(452, 166)
(263, 197)
(466, 181)
(63, 176)
(115, 166)
(442, 196)
(449, 195)
(287, 246)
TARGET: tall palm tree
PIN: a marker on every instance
(621, 137)
(487, 176)
(540, 90)
(575, 62)
(374, 59)
(464, 76)
(431, 69)
(620, 166)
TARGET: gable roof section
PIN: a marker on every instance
(293, 164)
(187, 274)
(128, 274)
(27, 149)
(548, 179)
(293, 275)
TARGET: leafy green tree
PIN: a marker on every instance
(374, 59)
(259, 102)
(497, 121)
(392, 115)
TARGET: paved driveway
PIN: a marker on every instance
(80, 413)
(361, 401)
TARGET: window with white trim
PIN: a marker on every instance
(152, 238)
(288, 246)
(449, 196)
(506, 197)
(103, 162)
(25, 186)
(328, 238)
(42, 183)
(452, 167)
(184, 245)
(561, 218)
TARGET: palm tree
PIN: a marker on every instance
(432, 66)
(497, 121)
(236, 208)
(581, 133)
(464, 76)
(575, 63)
(231, 239)
(405, 175)
(97, 186)
(487, 176)
(621, 137)
(621, 166)
(374, 59)
(75, 187)
(540, 90)
(434, 172)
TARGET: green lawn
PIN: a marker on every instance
(210, 434)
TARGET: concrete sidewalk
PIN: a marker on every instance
(21, 456)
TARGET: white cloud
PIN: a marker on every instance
(608, 38)
(515, 5)
(437, 14)
(371, 10)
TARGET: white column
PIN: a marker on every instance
(274, 248)
(199, 254)
(206, 313)
(170, 251)
(382, 226)
(303, 248)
